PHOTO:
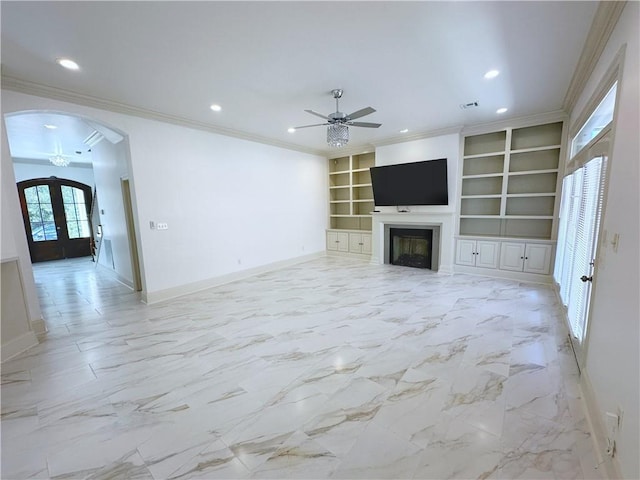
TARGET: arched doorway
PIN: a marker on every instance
(56, 214)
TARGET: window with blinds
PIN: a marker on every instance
(580, 213)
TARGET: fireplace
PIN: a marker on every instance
(411, 247)
(441, 225)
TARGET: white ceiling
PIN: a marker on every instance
(266, 62)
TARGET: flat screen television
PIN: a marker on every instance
(416, 183)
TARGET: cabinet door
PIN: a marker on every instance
(366, 243)
(355, 242)
(332, 241)
(512, 256)
(487, 254)
(343, 242)
(537, 258)
(465, 252)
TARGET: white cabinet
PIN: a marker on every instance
(360, 243)
(348, 242)
(337, 241)
(477, 253)
(526, 257)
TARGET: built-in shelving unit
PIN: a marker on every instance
(509, 182)
(350, 192)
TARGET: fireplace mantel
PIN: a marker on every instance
(445, 221)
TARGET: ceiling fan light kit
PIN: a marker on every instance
(337, 135)
(338, 123)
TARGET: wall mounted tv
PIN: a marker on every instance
(416, 183)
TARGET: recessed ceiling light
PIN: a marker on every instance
(49, 126)
(501, 110)
(68, 63)
(215, 107)
(491, 74)
(404, 130)
(291, 130)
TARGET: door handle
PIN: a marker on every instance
(585, 279)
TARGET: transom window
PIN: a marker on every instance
(600, 118)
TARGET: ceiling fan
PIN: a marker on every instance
(338, 122)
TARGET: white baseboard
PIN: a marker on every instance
(116, 275)
(497, 273)
(170, 293)
(608, 466)
(360, 256)
(39, 326)
(18, 345)
(445, 270)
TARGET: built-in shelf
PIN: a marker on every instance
(350, 192)
(510, 180)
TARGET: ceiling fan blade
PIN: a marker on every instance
(317, 114)
(314, 125)
(364, 124)
(360, 113)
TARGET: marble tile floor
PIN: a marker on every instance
(334, 368)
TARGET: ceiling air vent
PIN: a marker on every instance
(465, 106)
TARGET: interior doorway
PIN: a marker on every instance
(58, 223)
(131, 232)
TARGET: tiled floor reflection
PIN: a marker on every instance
(330, 369)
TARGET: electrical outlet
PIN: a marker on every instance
(162, 226)
(612, 421)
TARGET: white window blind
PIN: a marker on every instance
(581, 209)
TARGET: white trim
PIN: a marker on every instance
(519, 122)
(18, 345)
(610, 466)
(604, 22)
(179, 291)
(39, 326)
(419, 136)
(115, 275)
(39, 90)
(361, 256)
(509, 275)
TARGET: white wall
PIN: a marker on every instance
(28, 171)
(16, 333)
(614, 336)
(443, 146)
(230, 204)
(110, 165)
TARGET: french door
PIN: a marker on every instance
(576, 261)
(55, 212)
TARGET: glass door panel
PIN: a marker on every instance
(56, 218)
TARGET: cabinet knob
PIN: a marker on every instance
(526, 258)
(521, 258)
(586, 279)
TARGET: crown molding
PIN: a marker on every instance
(418, 136)
(603, 24)
(31, 88)
(516, 122)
